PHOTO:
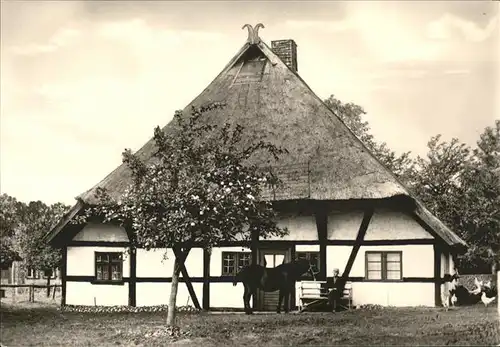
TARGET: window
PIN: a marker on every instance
(232, 262)
(52, 273)
(32, 273)
(313, 258)
(384, 266)
(251, 71)
(108, 267)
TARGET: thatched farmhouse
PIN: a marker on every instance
(343, 208)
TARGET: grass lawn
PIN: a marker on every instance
(44, 325)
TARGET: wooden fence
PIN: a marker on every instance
(31, 289)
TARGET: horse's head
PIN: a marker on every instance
(303, 266)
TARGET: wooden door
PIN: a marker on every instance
(271, 258)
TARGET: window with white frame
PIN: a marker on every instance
(232, 262)
(108, 266)
(384, 266)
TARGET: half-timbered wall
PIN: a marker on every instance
(80, 268)
(81, 272)
(417, 266)
(417, 259)
(154, 270)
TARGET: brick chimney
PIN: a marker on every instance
(287, 51)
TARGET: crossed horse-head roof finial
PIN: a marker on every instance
(253, 33)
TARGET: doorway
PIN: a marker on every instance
(268, 301)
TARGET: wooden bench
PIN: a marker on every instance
(313, 293)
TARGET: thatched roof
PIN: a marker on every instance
(282, 109)
(325, 160)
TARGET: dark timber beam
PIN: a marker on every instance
(206, 279)
(437, 275)
(132, 277)
(64, 275)
(132, 296)
(181, 257)
(321, 217)
(359, 238)
(255, 248)
(292, 303)
(254, 245)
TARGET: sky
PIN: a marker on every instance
(82, 81)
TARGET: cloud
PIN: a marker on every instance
(457, 72)
(60, 38)
(447, 25)
(138, 32)
(133, 31)
(386, 38)
(331, 26)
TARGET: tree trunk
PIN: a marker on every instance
(494, 272)
(48, 285)
(173, 293)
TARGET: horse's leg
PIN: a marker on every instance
(280, 299)
(287, 301)
(246, 299)
(253, 294)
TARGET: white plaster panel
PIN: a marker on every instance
(153, 264)
(399, 294)
(101, 232)
(336, 257)
(393, 225)
(81, 260)
(344, 225)
(226, 295)
(300, 227)
(154, 294)
(307, 248)
(194, 262)
(86, 293)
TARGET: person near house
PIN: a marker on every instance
(334, 293)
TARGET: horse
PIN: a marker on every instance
(282, 278)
